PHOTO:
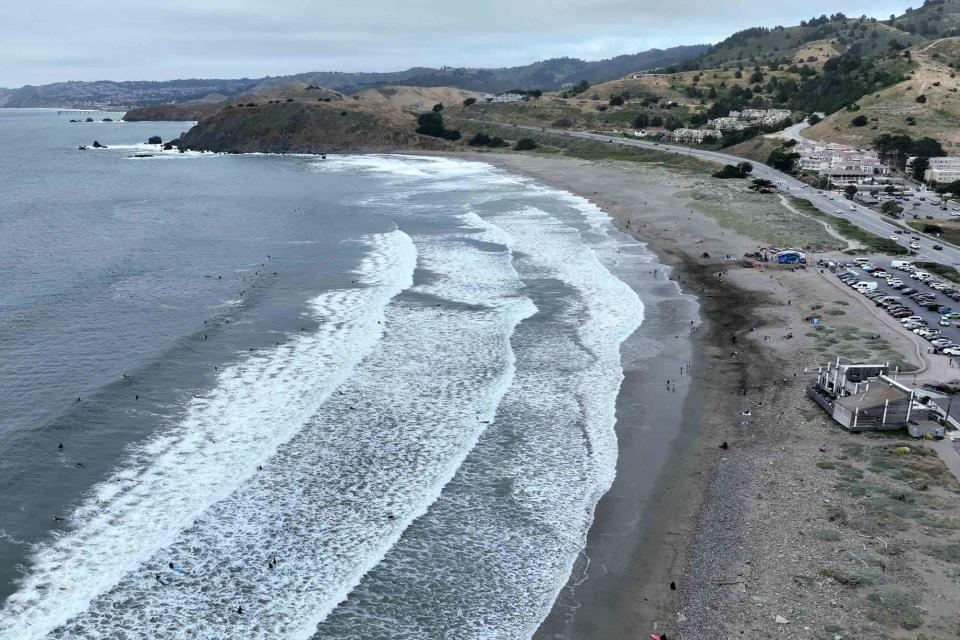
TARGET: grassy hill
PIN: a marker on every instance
(793, 44)
(301, 126)
(415, 99)
(935, 19)
(895, 109)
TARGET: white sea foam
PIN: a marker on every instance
(339, 494)
(256, 407)
(490, 556)
(397, 489)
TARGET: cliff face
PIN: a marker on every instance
(178, 112)
(298, 127)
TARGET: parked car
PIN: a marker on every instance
(944, 310)
(938, 247)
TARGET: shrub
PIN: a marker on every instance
(729, 172)
(921, 99)
(479, 140)
(616, 101)
(469, 101)
(782, 160)
(437, 108)
(813, 119)
(525, 144)
(859, 121)
(895, 606)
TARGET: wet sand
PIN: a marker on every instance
(639, 542)
(749, 534)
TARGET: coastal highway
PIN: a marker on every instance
(861, 216)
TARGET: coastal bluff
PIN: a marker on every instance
(186, 112)
(302, 127)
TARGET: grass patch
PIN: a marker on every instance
(951, 230)
(758, 216)
(836, 312)
(850, 578)
(851, 231)
(551, 143)
(895, 607)
(946, 552)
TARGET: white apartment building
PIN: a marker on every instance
(943, 170)
(840, 163)
(738, 120)
(691, 135)
(729, 123)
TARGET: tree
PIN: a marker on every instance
(850, 190)
(616, 101)
(761, 185)
(893, 148)
(813, 119)
(642, 121)
(745, 168)
(921, 99)
(859, 121)
(782, 159)
(525, 144)
(430, 124)
(927, 147)
(918, 168)
(729, 172)
(949, 187)
(469, 101)
(437, 108)
(479, 140)
(891, 208)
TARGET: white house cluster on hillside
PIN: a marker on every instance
(505, 98)
(839, 163)
(738, 120)
(691, 135)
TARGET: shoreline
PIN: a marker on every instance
(768, 519)
(651, 542)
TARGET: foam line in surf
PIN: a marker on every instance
(256, 406)
(552, 447)
(339, 494)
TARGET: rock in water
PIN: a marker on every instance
(97, 145)
(154, 140)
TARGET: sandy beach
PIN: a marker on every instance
(745, 527)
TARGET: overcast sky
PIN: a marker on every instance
(45, 41)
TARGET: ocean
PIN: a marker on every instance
(260, 396)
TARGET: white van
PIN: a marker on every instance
(863, 286)
(902, 265)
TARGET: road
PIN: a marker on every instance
(859, 215)
(793, 131)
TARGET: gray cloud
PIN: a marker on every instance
(54, 40)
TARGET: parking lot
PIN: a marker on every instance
(897, 291)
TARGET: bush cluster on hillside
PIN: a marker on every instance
(431, 124)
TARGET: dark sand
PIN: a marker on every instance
(641, 534)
